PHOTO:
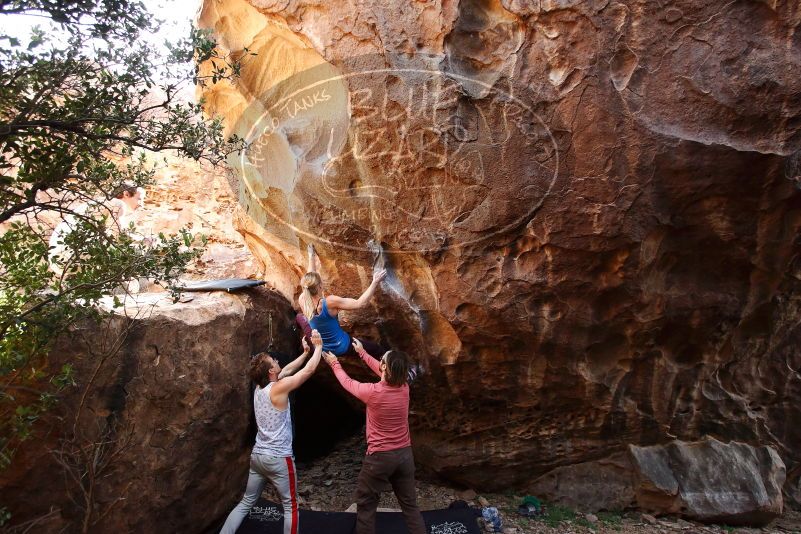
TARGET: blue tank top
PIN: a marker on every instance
(334, 338)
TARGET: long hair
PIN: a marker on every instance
(310, 284)
(260, 366)
(397, 363)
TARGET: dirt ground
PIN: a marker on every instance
(328, 484)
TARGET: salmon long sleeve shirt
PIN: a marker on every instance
(387, 407)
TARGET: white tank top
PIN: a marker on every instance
(275, 426)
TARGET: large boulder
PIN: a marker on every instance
(710, 481)
(588, 209)
(156, 435)
(606, 484)
(731, 483)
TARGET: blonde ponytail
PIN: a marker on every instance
(310, 283)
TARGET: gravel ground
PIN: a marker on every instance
(328, 484)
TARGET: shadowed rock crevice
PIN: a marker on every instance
(323, 417)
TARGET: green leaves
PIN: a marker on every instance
(45, 290)
(37, 39)
(78, 108)
(121, 19)
(201, 48)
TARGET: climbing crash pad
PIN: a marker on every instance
(268, 518)
(225, 284)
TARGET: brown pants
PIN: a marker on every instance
(380, 471)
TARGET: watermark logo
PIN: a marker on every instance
(405, 157)
(266, 513)
(449, 527)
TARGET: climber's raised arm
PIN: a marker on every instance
(296, 364)
(370, 360)
(360, 390)
(282, 387)
(311, 266)
(344, 303)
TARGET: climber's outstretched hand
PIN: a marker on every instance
(378, 276)
(329, 357)
(316, 340)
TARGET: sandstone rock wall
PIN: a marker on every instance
(197, 197)
(588, 208)
(155, 436)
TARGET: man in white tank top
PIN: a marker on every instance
(272, 458)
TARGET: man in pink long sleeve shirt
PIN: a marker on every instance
(389, 461)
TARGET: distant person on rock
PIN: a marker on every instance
(389, 461)
(322, 313)
(272, 457)
(125, 200)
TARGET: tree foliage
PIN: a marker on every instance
(79, 103)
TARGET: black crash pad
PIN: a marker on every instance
(225, 284)
(268, 518)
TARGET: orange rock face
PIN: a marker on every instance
(588, 210)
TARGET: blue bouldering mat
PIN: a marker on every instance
(225, 284)
(268, 518)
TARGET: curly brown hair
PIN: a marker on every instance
(260, 366)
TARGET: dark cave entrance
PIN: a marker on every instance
(323, 417)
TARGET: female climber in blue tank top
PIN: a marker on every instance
(322, 311)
